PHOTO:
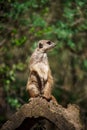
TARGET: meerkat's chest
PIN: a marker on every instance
(43, 70)
(40, 58)
(40, 65)
(43, 63)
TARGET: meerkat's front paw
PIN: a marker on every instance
(47, 96)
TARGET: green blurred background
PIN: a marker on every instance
(22, 24)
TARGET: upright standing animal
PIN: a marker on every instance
(40, 81)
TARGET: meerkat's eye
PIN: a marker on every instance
(40, 45)
(49, 42)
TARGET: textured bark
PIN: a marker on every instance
(40, 114)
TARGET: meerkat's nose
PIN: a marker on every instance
(54, 44)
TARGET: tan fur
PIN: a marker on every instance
(40, 81)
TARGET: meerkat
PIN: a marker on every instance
(40, 81)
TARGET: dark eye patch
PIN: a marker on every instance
(49, 42)
(40, 45)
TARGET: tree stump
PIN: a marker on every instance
(40, 114)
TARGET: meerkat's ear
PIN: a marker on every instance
(40, 45)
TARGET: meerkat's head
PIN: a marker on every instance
(45, 45)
